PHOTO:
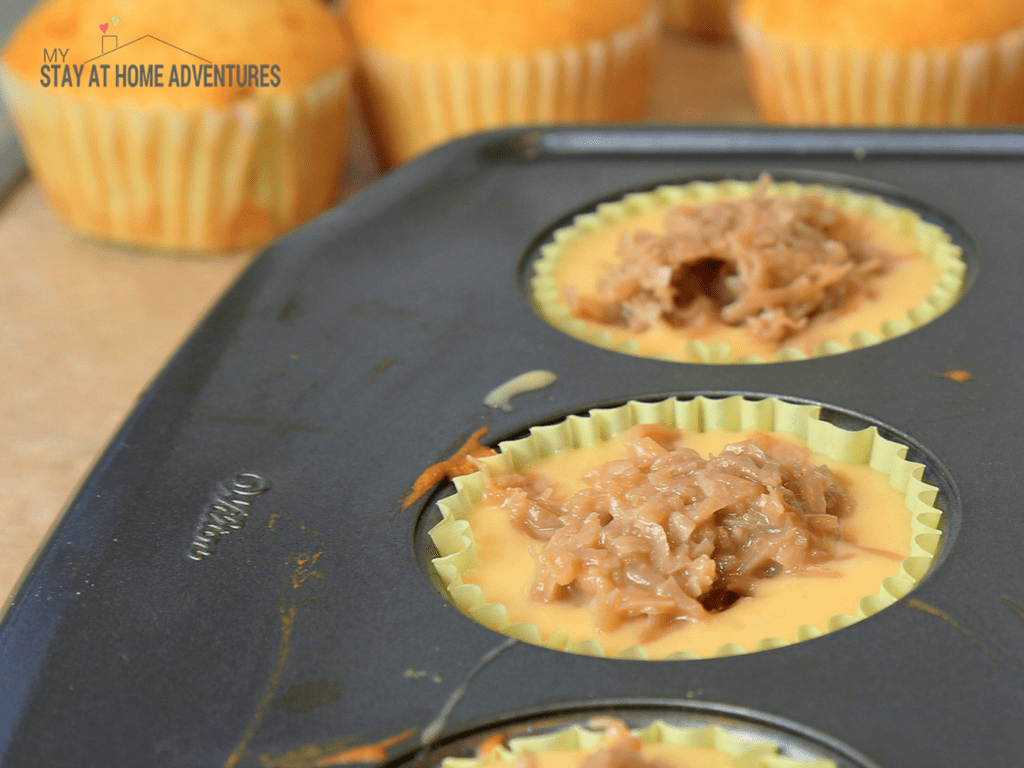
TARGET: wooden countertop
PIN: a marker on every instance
(85, 325)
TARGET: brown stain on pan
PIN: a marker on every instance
(283, 649)
(305, 697)
(459, 463)
(305, 569)
(959, 376)
(933, 611)
(1015, 607)
(323, 756)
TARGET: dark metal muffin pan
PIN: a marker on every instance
(237, 584)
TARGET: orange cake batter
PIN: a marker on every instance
(875, 538)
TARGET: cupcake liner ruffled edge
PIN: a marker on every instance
(416, 105)
(453, 536)
(797, 82)
(934, 242)
(749, 753)
(205, 178)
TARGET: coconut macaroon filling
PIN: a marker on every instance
(770, 264)
(668, 536)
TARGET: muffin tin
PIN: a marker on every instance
(236, 583)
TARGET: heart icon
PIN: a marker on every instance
(115, 19)
(103, 28)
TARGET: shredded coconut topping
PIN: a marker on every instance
(622, 749)
(668, 536)
(772, 264)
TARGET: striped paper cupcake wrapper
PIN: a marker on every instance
(800, 84)
(201, 179)
(413, 105)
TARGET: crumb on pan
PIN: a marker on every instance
(459, 463)
(957, 375)
(500, 396)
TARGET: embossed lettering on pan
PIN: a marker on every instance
(227, 510)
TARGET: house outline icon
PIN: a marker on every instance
(122, 47)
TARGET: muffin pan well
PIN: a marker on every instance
(905, 293)
(358, 350)
(793, 740)
(486, 566)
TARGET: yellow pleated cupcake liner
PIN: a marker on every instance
(453, 536)
(934, 242)
(205, 178)
(796, 83)
(414, 105)
(747, 753)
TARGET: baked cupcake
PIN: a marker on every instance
(433, 70)
(745, 272)
(685, 529)
(706, 19)
(875, 62)
(609, 742)
(182, 125)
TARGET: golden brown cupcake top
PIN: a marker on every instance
(863, 24)
(456, 29)
(301, 38)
